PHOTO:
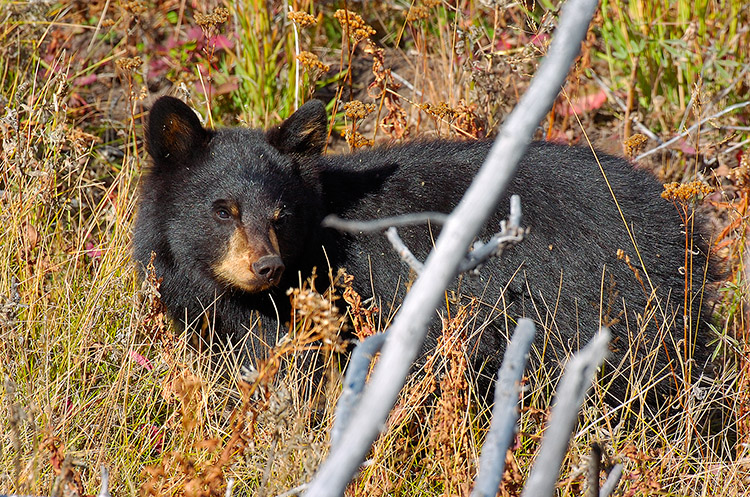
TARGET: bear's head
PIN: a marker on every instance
(238, 206)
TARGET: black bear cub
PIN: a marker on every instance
(234, 219)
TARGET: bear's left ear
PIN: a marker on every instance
(304, 132)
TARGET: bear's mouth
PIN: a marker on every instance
(244, 278)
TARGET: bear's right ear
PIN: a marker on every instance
(174, 131)
(303, 133)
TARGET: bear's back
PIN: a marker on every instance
(566, 274)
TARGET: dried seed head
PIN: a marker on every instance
(302, 19)
(355, 139)
(467, 119)
(135, 7)
(357, 110)
(741, 174)
(685, 192)
(354, 25)
(634, 145)
(129, 63)
(441, 110)
(418, 13)
(310, 60)
(207, 21)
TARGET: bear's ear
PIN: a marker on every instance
(303, 133)
(174, 131)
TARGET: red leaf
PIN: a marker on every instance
(85, 80)
(583, 105)
(141, 361)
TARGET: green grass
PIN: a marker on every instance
(673, 45)
(92, 371)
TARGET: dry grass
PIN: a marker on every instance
(92, 373)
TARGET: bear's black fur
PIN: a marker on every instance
(233, 216)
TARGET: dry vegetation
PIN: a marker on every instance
(92, 373)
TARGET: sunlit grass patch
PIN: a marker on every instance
(93, 373)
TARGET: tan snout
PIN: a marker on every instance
(252, 261)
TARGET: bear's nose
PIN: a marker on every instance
(269, 267)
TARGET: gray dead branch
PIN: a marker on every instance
(410, 325)
(505, 412)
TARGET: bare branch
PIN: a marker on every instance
(295, 491)
(516, 215)
(403, 251)
(592, 475)
(505, 411)
(335, 222)
(354, 382)
(104, 491)
(579, 373)
(510, 234)
(612, 480)
(667, 143)
(230, 485)
(410, 325)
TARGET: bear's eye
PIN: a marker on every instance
(222, 214)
